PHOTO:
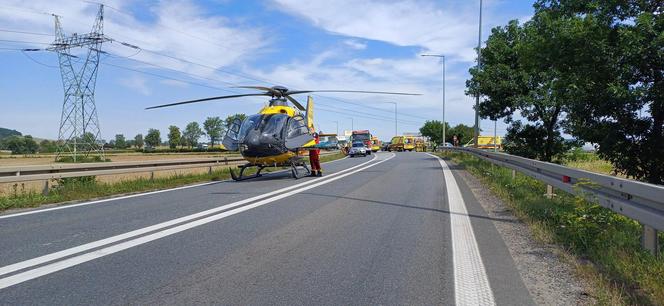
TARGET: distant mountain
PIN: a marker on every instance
(7, 132)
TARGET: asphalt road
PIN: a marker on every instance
(385, 229)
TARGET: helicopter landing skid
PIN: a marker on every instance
(299, 162)
(241, 177)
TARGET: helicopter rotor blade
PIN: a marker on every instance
(295, 92)
(297, 104)
(268, 89)
(208, 99)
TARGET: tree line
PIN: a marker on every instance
(213, 128)
(586, 68)
(433, 129)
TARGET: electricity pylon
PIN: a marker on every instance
(79, 133)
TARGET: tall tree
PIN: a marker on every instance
(138, 140)
(617, 99)
(434, 130)
(463, 133)
(192, 133)
(120, 141)
(214, 128)
(524, 72)
(174, 136)
(153, 138)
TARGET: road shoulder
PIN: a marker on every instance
(547, 277)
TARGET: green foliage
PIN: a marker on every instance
(463, 132)
(524, 71)
(214, 128)
(138, 141)
(7, 132)
(174, 136)
(588, 230)
(82, 159)
(434, 130)
(19, 144)
(525, 140)
(192, 133)
(120, 142)
(48, 146)
(616, 62)
(153, 138)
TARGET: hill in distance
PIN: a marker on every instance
(7, 132)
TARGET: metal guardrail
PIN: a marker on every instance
(14, 174)
(56, 171)
(640, 201)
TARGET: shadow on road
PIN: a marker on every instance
(436, 210)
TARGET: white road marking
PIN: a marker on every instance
(60, 265)
(471, 284)
(36, 211)
(95, 244)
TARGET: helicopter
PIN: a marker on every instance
(277, 134)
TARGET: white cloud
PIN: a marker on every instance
(355, 44)
(137, 83)
(179, 28)
(448, 29)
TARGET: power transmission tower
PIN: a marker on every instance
(79, 133)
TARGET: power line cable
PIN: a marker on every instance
(36, 61)
(25, 32)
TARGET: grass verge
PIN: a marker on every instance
(85, 188)
(603, 246)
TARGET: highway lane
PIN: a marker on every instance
(380, 235)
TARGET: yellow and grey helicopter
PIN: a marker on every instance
(275, 136)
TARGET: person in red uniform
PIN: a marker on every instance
(314, 159)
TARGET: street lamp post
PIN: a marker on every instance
(352, 126)
(479, 63)
(442, 59)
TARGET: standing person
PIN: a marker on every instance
(314, 158)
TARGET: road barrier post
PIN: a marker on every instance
(513, 174)
(152, 175)
(225, 160)
(45, 190)
(210, 170)
(649, 240)
(549, 192)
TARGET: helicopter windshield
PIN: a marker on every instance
(274, 124)
(269, 125)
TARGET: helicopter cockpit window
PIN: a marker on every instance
(297, 126)
(248, 124)
(273, 125)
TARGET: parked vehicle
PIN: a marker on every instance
(358, 148)
(402, 143)
(363, 136)
(486, 142)
(375, 144)
(328, 143)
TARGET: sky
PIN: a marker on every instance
(195, 49)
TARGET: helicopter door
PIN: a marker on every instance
(298, 133)
(230, 141)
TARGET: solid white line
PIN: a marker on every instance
(95, 244)
(64, 264)
(36, 211)
(471, 284)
